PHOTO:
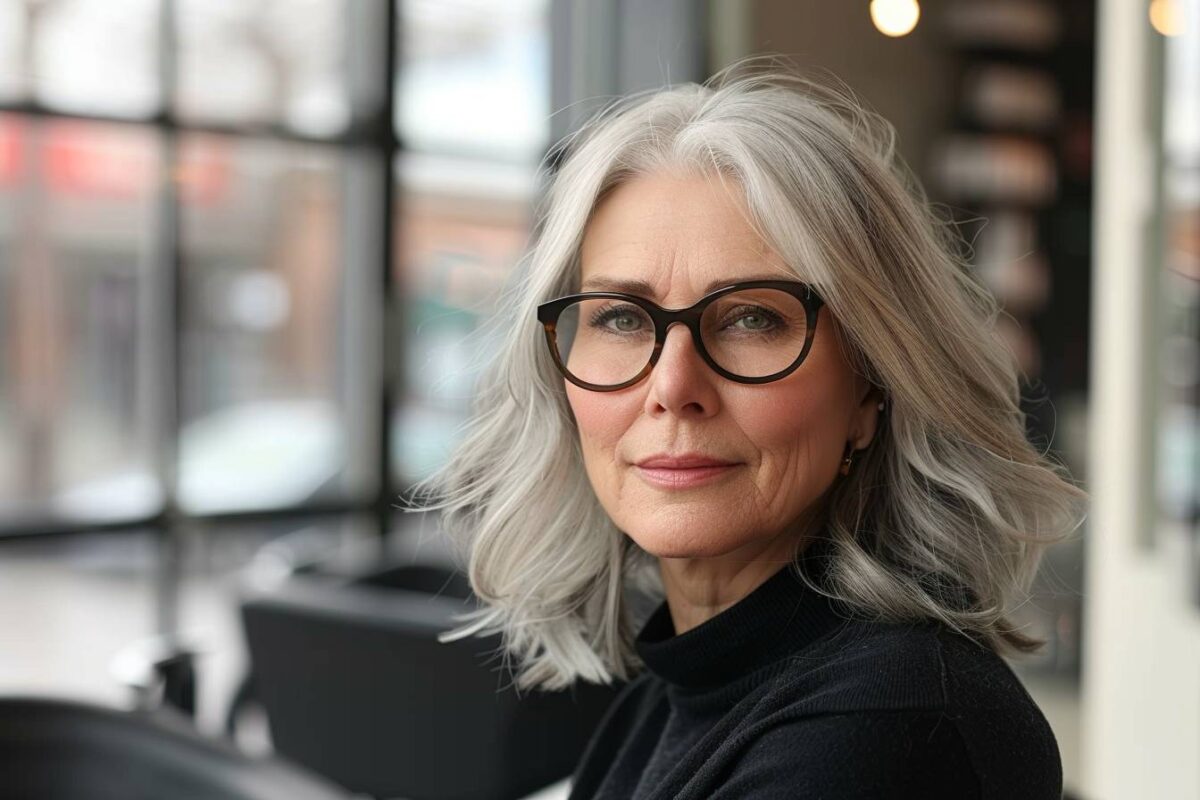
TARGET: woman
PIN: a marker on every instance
(821, 469)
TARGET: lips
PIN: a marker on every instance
(683, 461)
(684, 471)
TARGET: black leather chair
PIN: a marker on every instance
(54, 749)
(357, 687)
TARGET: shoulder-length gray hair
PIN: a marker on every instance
(950, 489)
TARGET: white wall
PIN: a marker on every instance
(1141, 677)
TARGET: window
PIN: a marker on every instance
(212, 215)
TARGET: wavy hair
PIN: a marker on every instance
(949, 494)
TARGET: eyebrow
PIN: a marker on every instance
(644, 289)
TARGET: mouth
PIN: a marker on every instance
(684, 473)
(683, 461)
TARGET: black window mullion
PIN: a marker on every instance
(390, 366)
(169, 336)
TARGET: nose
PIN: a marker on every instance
(681, 382)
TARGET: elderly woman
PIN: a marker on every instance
(745, 370)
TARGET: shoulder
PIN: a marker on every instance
(1007, 735)
(918, 666)
(866, 666)
(915, 707)
(636, 702)
(865, 754)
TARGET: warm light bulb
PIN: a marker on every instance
(1167, 17)
(895, 17)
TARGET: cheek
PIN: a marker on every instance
(801, 428)
(600, 419)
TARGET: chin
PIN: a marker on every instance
(683, 541)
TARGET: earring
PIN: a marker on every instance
(847, 459)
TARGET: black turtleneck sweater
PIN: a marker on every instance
(784, 695)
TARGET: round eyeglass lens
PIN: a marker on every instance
(605, 341)
(751, 333)
(754, 333)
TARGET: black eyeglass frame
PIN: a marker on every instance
(548, 313)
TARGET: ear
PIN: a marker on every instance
(865, 420)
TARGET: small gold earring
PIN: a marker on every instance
(847, 459)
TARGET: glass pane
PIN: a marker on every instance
(87, 56)
(13, 74)
(83, 600)
(475, 77)
(269, 417)
(77, 388)
(464, 226)
(265, 63)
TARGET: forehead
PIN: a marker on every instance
(668, 235)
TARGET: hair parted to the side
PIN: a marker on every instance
(949, 488)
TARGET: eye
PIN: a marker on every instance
(756, 318)
(624, 318)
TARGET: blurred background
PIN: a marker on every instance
(246, 248)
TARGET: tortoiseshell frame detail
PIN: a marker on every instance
(547, 314)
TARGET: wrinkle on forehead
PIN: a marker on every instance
(680, 234)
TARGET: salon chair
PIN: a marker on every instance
(52, 749)
(357, 688)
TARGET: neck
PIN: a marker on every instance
(697, 589)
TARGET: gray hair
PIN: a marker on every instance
(950, 493)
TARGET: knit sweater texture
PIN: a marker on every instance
(786, 694)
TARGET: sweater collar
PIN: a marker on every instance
(779, 617)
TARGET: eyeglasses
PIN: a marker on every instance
(751, 332)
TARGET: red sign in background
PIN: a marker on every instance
(108, 162)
